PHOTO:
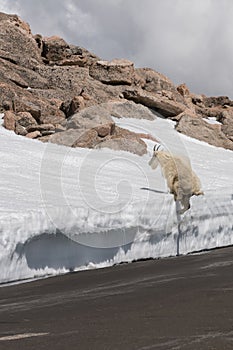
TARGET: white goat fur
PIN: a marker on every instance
(181, 180)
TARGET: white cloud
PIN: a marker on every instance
(189, 41)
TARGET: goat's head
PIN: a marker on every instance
(154, 160)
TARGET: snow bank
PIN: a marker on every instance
(64, 209)
(1, 119)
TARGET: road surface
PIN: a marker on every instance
(167, 304)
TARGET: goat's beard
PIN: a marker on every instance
(153, 162)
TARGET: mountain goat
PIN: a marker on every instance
(183, 183)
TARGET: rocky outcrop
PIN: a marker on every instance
(219, 101)
(157, 83)
(55, 50)
(227, 123)
(183, 90)
(91, 117)
(198, 128)
(124, 140)
(33, 135)
(57, 92)
(71, 137)
(116, 72)
(24, 121)
(9, 120)
(133, 145)
(74, 105)
(160, 103)
(17, 43)
(129, 109)
(94, 128)
(44, 111)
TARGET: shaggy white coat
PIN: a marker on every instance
(182, 182)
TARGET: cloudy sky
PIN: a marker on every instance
(188, 40)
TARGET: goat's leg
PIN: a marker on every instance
(185, 203)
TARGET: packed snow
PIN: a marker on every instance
(212, 120)
(1, 119)
(65, 209)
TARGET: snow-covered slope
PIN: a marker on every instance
(63, 209)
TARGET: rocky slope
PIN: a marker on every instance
(61, 93)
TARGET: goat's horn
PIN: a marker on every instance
(156, 147)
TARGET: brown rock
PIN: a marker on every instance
(85, 96)
(67, 137)
(197, 100)
(41, 128)
(54, 48)
(227, 123)
(25, 105)
(20, 130)
(183, 89)
(74, 61)
(7, 72)
(9, 120)
(159, 103)
(83, 57)
(113, 72)
(19, 76)
(77, 104)
(38, 39)
(56, 102)
(125, 140)
(25, 119)
(105, 129)
(56, 51)
(73, 106)
(43, 111)
(217, 101)
(47, 132)
(133, 145)
(213, 112)
(17, 43)
(23, 122)
(6, 106)
(156, 82)
(14, 19)
(66, 82)
(44, 138)
(129, 109)
(33, 135)
(50, 80)
(59, 128)
(53, 116)
(120, 132)
(87, 139)
(90, 118)
(7, 93)
(196, 127)
(82, 53)
(222, 114)
(167, 94)
(76, 138)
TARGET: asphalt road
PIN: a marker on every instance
(167, 304)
